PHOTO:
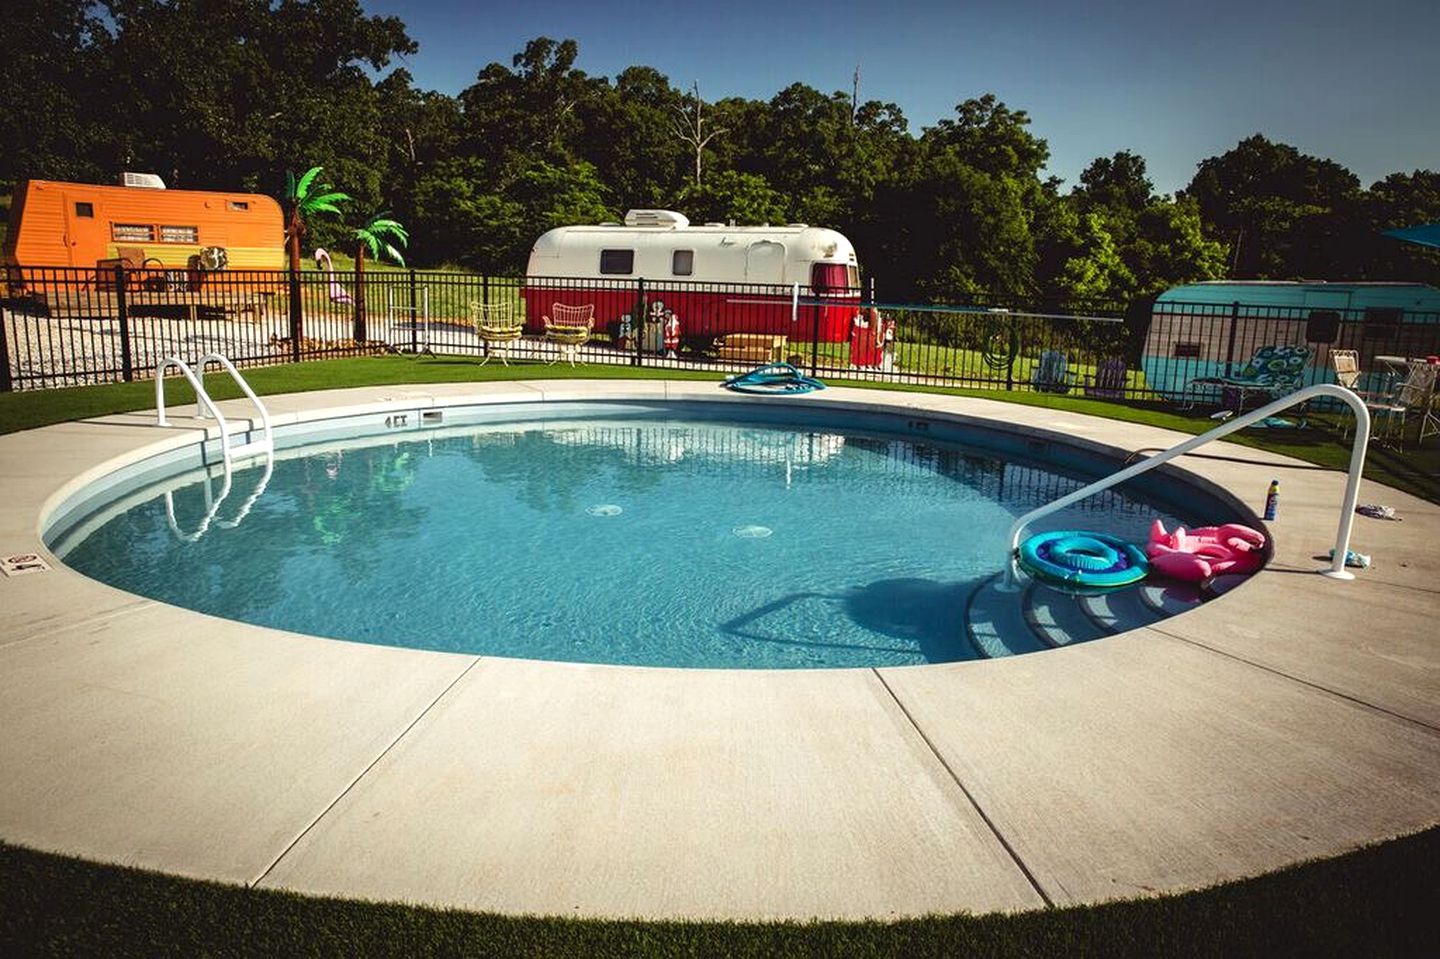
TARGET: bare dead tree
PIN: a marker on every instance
(691, 129)
(855, 96)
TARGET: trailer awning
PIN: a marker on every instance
(1427, 235)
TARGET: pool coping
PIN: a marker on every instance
(1294, 717)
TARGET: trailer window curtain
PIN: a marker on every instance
(682, 263)
(828, 277)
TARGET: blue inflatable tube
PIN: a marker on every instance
(1078, 558)
(776, 378)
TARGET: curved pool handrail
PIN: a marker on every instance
(1337, 568)
(240, 381)
(204, 405)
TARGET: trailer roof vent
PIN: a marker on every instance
(145, 181)
(659, 218)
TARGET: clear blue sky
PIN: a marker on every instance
(1357, 82)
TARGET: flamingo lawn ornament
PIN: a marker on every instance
(337, 292)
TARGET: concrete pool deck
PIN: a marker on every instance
(1292, 718)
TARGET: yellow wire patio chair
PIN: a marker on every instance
(497, 327)
(569, 327)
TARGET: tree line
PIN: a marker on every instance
(230, 94)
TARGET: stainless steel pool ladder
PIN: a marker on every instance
(1337, 568)
(205, 406)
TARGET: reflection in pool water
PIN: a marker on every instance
(643, 541)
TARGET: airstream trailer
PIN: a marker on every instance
(717, 279)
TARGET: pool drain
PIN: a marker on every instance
(605, 509)
(752, 532)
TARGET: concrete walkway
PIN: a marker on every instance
(1295, 717)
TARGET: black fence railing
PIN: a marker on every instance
(67, 327)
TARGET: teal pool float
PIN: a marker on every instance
(772, 378)
(1079, 558)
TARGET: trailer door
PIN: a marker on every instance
(765, 262)
(85, 233)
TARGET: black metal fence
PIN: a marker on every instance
(67, 327)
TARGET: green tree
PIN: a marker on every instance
(628, 136)
(1399, 200)
(51, 123)
(1257, 198)
(734, 197)
(529, 110)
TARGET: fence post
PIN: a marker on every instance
(5, 384)
(485, 289)
(122, 311)
(1012, 349)
(642, 310)
(1234, 327)
(414, 316)
(297, 322)
(814, 334)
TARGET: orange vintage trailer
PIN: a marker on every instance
(55, 224)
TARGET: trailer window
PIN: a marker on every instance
(682, 263)
(828, 277)
(179, 234)
(86, 210)
(132, 232)
(238, 204)
(617, 261)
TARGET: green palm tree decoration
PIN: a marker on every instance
(378, 236)
(305, 198)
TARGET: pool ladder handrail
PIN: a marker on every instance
(1337, 568)
(204, 405)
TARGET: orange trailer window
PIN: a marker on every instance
(132, 232)
(179, 234)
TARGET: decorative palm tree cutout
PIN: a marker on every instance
(305, 198)
(378, 236)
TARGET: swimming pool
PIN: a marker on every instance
(626, 533)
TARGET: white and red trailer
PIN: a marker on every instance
(716, 279)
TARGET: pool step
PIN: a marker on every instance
(995, 621)
(1056, 617)
(1036, 616)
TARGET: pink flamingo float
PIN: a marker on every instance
(1199, 554)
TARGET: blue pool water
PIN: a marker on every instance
(637, 539)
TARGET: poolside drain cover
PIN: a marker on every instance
(605, 509)
(752, 532)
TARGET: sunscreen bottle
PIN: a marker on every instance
(1272, 500)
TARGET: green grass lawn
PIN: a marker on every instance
(1378, 901)
(1416, 471)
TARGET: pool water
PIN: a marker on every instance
(640, 539)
